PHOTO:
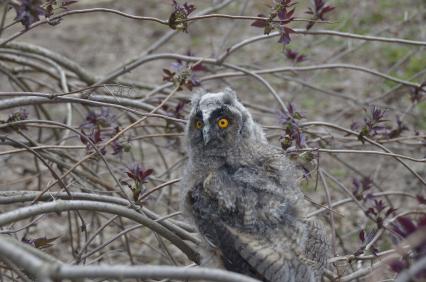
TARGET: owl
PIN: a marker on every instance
(240, 193)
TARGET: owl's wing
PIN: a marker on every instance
(256, 226)
(270, 261)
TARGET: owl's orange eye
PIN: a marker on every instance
(198, 124)
(223, 123)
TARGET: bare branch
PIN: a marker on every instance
(60, 205)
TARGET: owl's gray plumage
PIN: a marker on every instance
(241, 194)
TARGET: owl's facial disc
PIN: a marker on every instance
(214, 131)
(213, 127)
(219, 126)
(216, 124)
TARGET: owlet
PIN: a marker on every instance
(241, 194)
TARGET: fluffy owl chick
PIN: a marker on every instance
(241, 194)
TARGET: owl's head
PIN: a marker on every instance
(218, 122)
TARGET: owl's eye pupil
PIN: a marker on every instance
(223, 123)
(198, 124)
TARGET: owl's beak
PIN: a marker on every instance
(206, 135)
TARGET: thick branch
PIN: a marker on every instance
(11, 197)
(59, 206)
(149, 272)
(42, 269)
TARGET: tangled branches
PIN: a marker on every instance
(92, 150)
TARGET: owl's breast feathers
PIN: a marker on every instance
(251, 215)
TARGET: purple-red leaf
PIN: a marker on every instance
(407, 224)
(259, 23)
(398, 265)
(421, 199)
(29, 11)
(98, 126)
(294, 56)
(147, 173)
(138, 173)
(285, 35)
(422, 222)
(318, 11)
(362, 235)
(367, 183)
(282, 10)
(178, 17)
(389, 211)
(183, 74)
(292, 129)
(379, 205)
(199, 67)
